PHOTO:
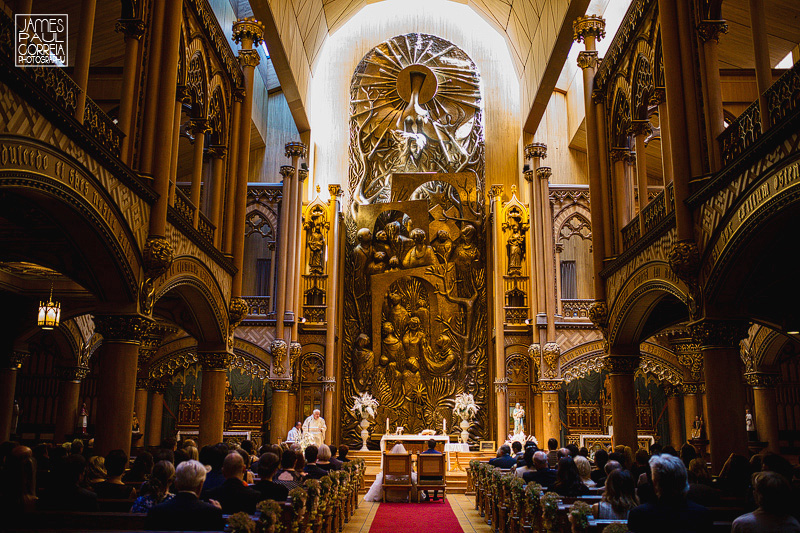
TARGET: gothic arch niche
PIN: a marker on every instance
(259, 254)
(575, 236)
(311, 370)
(416, 168)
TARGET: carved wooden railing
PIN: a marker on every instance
(654, 212)
(783, 97)
(102, 127)
(184, 206)
(516, 315)
(315, 294)
(630, 233)
(740, 134)
(258, 306)
(515, 291)
(206, 228)
(575, 308)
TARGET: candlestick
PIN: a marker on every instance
(444, 426)
(387, 426)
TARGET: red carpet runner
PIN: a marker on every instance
(430, 517)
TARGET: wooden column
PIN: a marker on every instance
(151, 96)
(602, 154)
(663, 125)
(294, 150)
(766, 407)
(181, 97)
(590, 29)
(619, 158)
(535, 152)
(538, 415)
(676, 108)
(283, 249)
(332, 267)
(692, 405)
(165, 115)
(8, 385)
(533, 297)
(279, 428)
(300, 261)
(709, 31)
(249, 34)
(500, 381)
(212, 395)
(551, 413)
(758, 26)
(83, 54)
(230, 184)
(674, 417)
(217, 153)
(116, 388)
(155, 414)
(199, 128)
(640, 130)
(623, 398)
(559, 247)
(69, 389)
(725, 396)
(140, 408)
(132, 29)
(546, 221)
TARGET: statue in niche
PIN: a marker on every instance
(378, 263)
(398, 315)
(316, 246)
(421, 254)
(362, 254)
(515, 245)
(423, 314)
(398, 244)
(442, 246)
(364, 360)
(466, 254)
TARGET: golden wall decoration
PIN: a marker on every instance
(415, 311)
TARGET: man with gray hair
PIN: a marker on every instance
(186, 511)
(542, 473)
(315, 425)
(671, 511)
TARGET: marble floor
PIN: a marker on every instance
(463, 506)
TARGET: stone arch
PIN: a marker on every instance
(620, 118)
(586, 358)
(218, 116)
(197, 82)
(189, 295)
(647, 303)
(53, 199)
(642, 88)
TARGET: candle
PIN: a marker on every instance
(387, 426)
(444, 426)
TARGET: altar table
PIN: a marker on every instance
(412, 443)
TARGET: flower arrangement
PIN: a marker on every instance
(298, 497)
(579, 516)
(616, 528)
(549, 503)
(306, 440)
(326, 490)
(314, 492)
(465, 407)
(533, 502)
(241, 523)
(364, 405)
(270, 518)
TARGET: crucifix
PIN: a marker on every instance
(549, 404)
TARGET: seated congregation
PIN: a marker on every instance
(660, 490)
(172, 488)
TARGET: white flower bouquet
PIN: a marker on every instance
(465, 407)
(364, 405)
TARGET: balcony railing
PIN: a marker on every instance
(575, 308)
(258, 307)
(102, 127)
(630, 233)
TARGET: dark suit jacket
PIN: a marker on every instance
(545, 477)
(681, 518)
(336, 464)
(71, 499)
(314, 472)
(185, 512)
(431, 478)
(504, 462)
(272, 491)
(234, 496)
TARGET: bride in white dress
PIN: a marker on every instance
(374, 493)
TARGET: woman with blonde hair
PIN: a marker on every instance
(192, 452)
(585, 471)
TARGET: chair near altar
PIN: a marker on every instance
(397, 473)
(431, 465)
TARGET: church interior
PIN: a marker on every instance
(484, 221)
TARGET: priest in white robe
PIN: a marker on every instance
(315, 425)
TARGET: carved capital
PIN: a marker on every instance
(535, 351)
(199, 125)
(587, 59)
(693, 387)
(762, 380)
(641, 127)
(157, 256)
(672, 391)
(72, 373)
(689, 356)
(215, 360)
(588, 25)
(544, 173)
(287, 171)
(238, 94)
(495, 191)
(142, 383)
(156, 386)
(684, 261)
(528, 174)
(711, 29)
(621, 364)
(718, 333)
(500, 385)
(550, 385)
(598, 314)
(329, 384)
(295, 149)
(122, 328)
(249, 58)
(183, 95)
(130, 27)
(217, 151)
(248, 30)
(658, 97)
(551, 351)
(282, 385)
(620, 154)
(278, 348)
(295, 349)
(535, 150)
(302, 174)
(237, 311)
(335, 190)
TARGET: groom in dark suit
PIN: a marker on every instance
(432, 449)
